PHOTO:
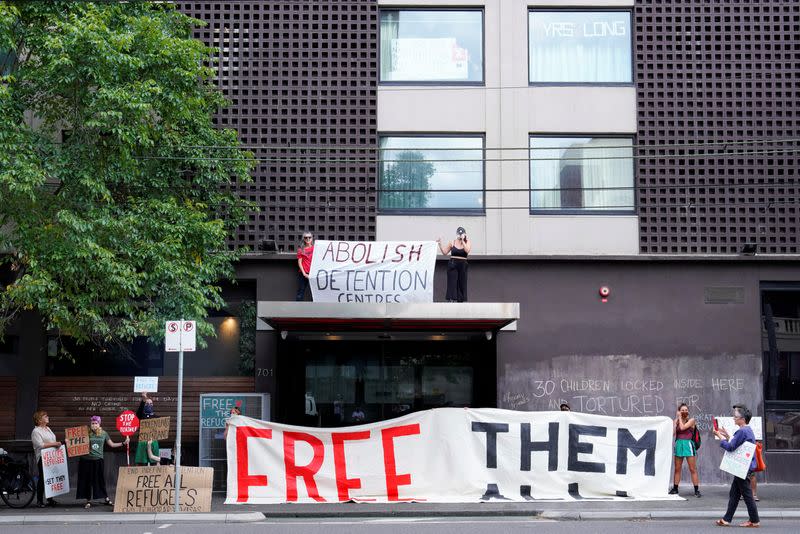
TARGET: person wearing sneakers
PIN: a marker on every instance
(684, 448)
(91, 468)
(740, 487)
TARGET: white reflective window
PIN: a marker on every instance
(431, 46)
(577, 174)
(579, 47)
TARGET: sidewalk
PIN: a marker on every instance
(778, 501)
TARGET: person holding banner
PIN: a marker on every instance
(42, 438)
(145, 411)
(457, 266)
(305, 252)
(91, 468)
(740, 487)
(684, 448)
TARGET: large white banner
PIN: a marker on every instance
(452, 455)
(373, 271)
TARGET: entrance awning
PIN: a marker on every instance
(353, 317)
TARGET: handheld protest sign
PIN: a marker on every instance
(77, 441)
(127, 424)
(156, 428)
(54, 469)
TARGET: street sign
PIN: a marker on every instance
(180, 335)
(127, 423)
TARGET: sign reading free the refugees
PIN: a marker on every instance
(373, 271)
(452, 455)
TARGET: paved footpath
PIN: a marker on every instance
(778, 501)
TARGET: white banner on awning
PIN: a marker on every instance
(373, 271)
(452, 455)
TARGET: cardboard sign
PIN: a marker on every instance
(145, 384)
(738, 462)
(152, 489)
(127, 423)
(77, 440)
(54, 468)
(452, 455)
(373, 271)
(156, 428)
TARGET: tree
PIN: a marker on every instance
(408, 171)
(115, 197)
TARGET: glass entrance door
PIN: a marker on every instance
(329, 383)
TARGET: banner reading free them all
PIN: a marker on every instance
(452, 455)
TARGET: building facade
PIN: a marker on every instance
(642, 146)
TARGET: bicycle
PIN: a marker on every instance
(17, 487)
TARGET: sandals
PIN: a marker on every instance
(749, 524)
(722, 523)
(108, 502)
(87, 505)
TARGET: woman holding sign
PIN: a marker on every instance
(145, 411)
(42, 438)
(684, 448)
(740, 487)
(91, 468)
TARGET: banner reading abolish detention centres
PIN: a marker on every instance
(452, 455)
(373, 271)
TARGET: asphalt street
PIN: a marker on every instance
(439, 525)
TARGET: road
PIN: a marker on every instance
(492, 525)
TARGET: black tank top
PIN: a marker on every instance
(458, 252)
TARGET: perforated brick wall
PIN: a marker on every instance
(301, 76)
(718, 72)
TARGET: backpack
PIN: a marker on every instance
(696, 441)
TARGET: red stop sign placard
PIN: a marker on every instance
(127, 423)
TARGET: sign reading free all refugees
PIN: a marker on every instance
(152, 489)
(452, 455)
(375, 271)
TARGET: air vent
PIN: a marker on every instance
(724, 295)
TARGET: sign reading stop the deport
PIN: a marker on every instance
(180, 335)
(127, 423)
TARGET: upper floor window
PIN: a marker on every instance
(441, 46)
(7, 61)
(431, 173)
(579, 47)
(580, 174)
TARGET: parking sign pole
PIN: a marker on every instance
(178, 430)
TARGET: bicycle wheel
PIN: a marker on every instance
(20, 491)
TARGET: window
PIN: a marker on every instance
(431, 172)
(780, 339)
(579, 47)
(578, 174)
(431, 46)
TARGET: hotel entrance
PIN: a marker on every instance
(350, 379)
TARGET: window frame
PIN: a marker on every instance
(432, 83)
(634, 209)
(478, 212)
(582, 9)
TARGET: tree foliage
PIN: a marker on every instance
(115, 197)
(406, 180)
